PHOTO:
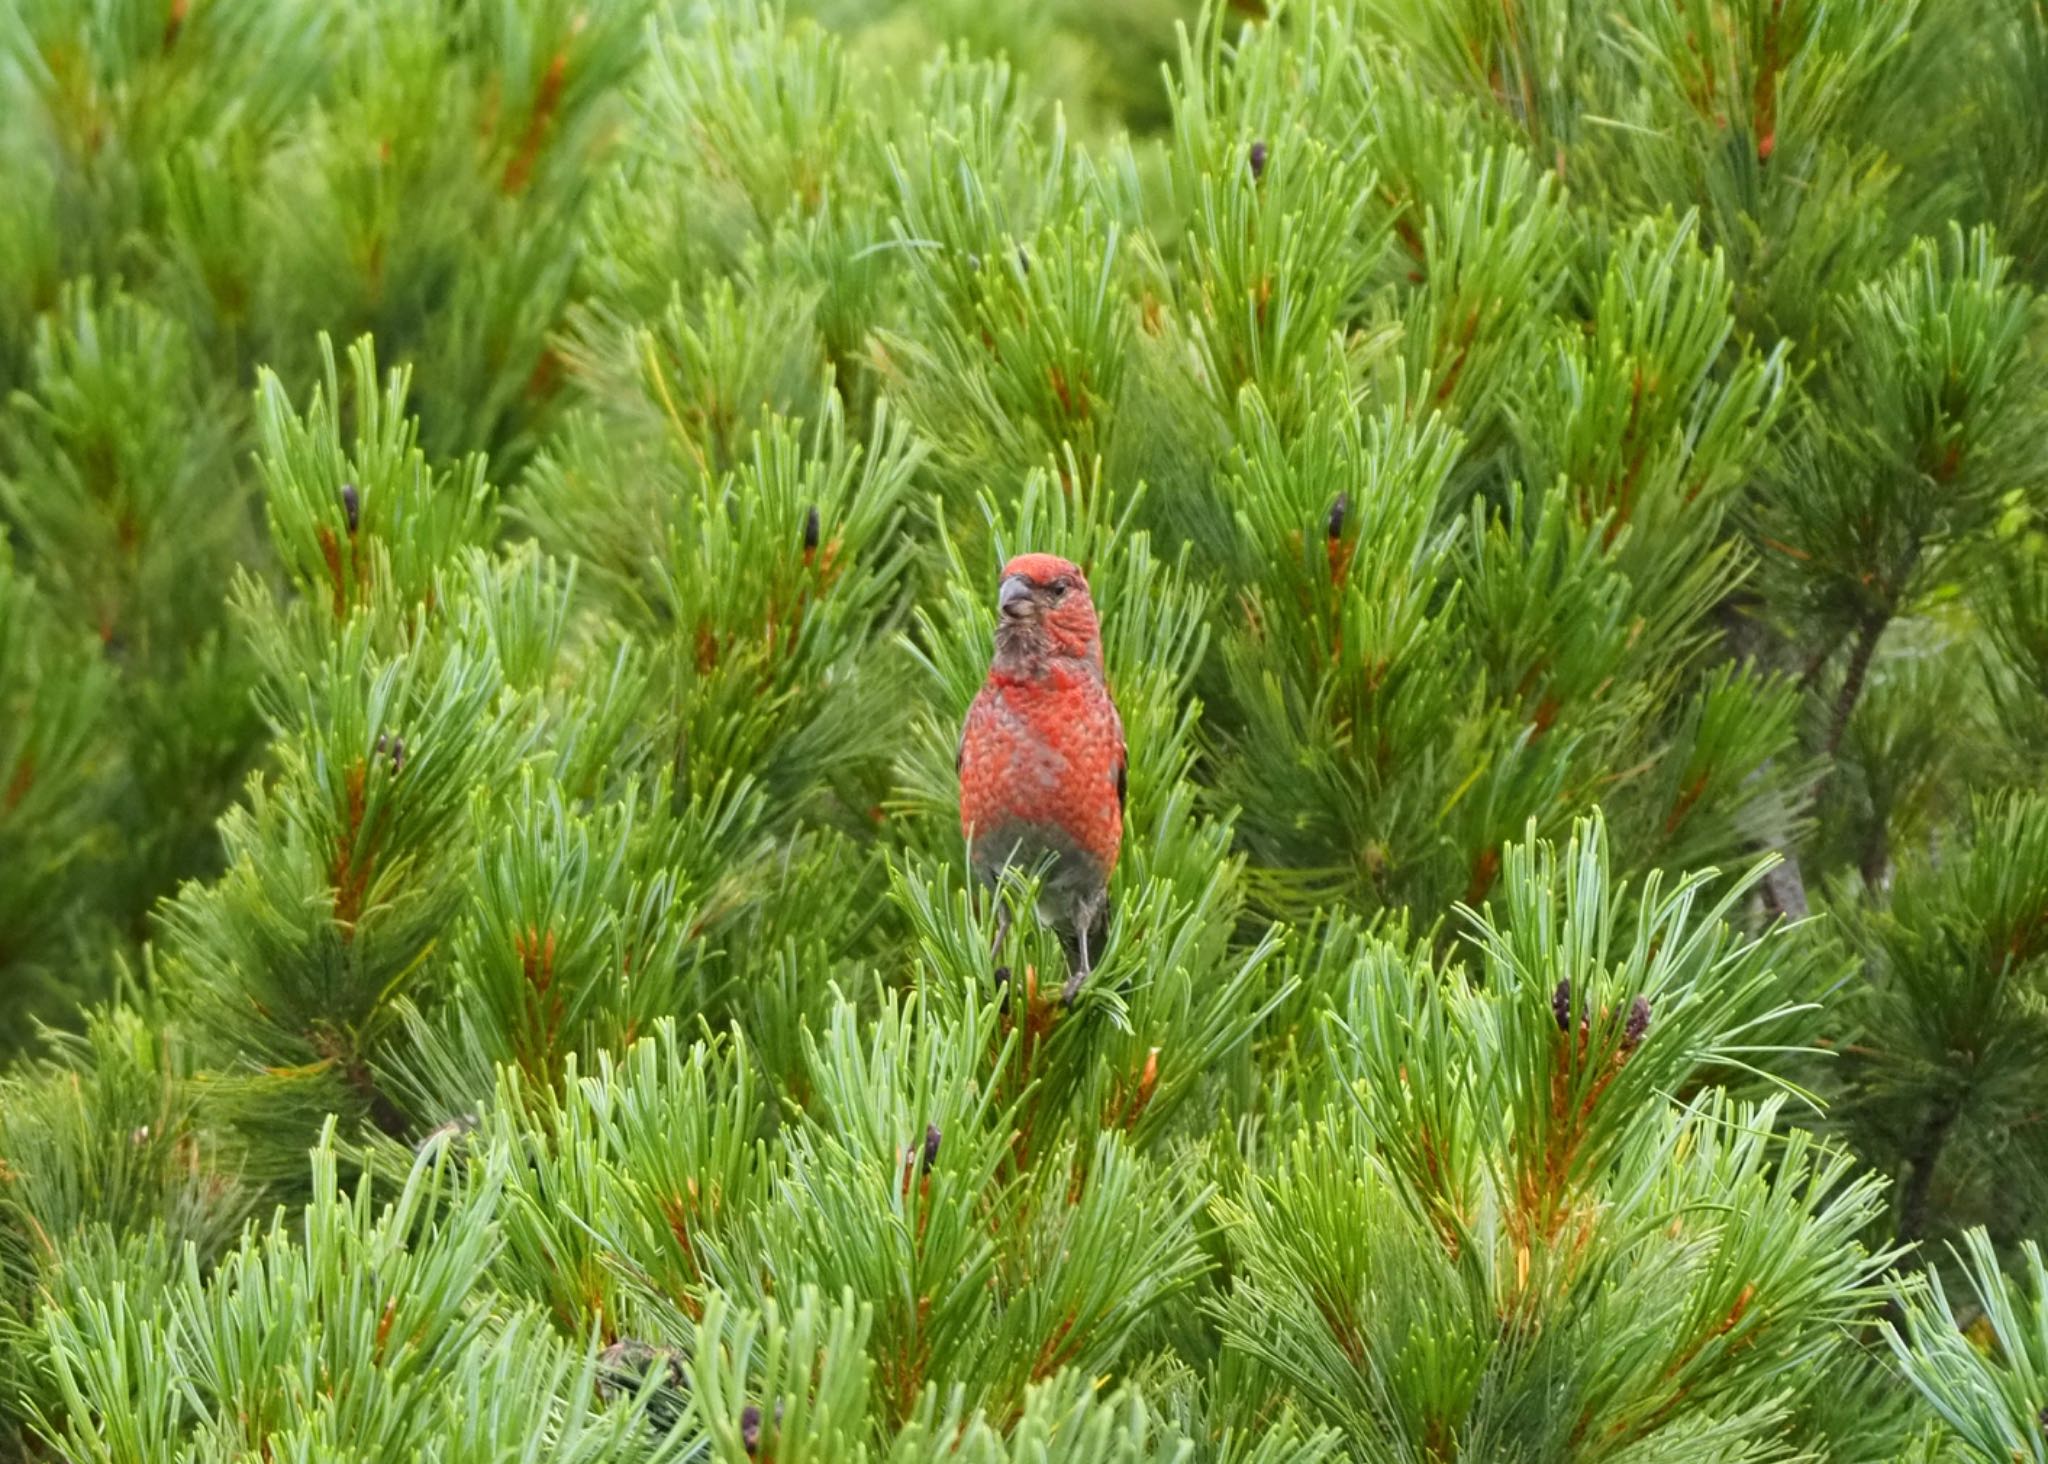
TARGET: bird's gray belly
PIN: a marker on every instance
(1070, 873)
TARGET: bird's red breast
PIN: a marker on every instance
(1042, 762)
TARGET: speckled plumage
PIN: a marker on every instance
(1042, 762)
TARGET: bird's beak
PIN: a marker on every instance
(1016, 598)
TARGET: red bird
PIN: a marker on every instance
(1042, 756)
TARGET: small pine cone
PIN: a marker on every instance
(1638, 1024)
(750, 1426)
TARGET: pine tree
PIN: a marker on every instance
(499, 512)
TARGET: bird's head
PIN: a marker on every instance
(1043, 610)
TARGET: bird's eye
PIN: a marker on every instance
(1060, 587)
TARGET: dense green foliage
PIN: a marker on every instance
(499, 511)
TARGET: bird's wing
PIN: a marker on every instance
(1123, 758)
(977, 711)
(966, 727)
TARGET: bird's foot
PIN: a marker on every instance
(1082, 966)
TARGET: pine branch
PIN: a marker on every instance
(1861, 650)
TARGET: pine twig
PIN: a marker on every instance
(1926, 1156)
(1867, 636)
